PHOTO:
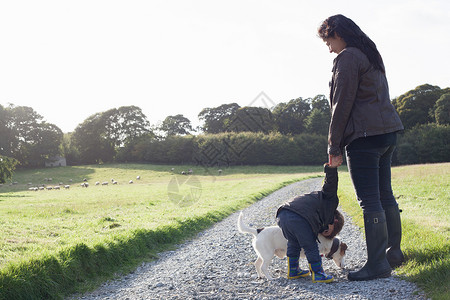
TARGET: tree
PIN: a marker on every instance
(7, 166)
(321, 103)
(176, 125)
(290, 117)
(416, 106)
(7, 139)
(124, 124)
(26, 137)
(102, 135)
(216, 118)
(92, 142)
(46, 143)
(22, 122)
(318, 122)
(253, 119)
(442, 110)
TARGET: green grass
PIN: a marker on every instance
(54, 243)
(423, 194)
(58, 242)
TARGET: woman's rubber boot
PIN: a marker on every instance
(294, 270)
(377, 265)
(317, 273)
(394, 254)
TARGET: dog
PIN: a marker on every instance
(270, 241)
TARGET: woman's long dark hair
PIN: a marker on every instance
(353, 37)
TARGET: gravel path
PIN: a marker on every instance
(218, 264)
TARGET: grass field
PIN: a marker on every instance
(65, 236)
(57, 242)
(423, 194)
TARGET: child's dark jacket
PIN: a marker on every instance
(317, 207)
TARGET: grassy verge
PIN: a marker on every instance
(57, 242)
(423, 194)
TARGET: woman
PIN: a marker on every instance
(365, 124)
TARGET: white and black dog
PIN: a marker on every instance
(269, 241)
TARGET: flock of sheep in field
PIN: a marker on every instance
(61, 185)
(85, 184)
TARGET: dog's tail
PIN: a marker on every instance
(244, 228)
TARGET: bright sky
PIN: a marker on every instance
(71, 59)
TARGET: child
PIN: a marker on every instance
(302, 218)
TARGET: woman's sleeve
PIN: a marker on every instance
(344, 91)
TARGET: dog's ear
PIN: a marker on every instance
(343, 247)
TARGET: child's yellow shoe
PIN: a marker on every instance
(294, 271)
(317, 273)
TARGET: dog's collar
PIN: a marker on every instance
(334, 248)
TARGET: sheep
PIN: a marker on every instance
(57, 187)
(85, 184)
(70, 180)
(41, 188)
(35, 189)
(61, 183)
(49, 188)
(130, 182)
(220, 171)
(114, 182)
(67, 186)
(97, 182)
(105, 183)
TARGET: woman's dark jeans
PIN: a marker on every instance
(299, 234)
(369, 164)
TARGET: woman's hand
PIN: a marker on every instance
(335, 161)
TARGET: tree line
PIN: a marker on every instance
(125, 134)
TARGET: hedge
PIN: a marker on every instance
(423, 144)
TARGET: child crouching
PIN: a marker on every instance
(302, 218)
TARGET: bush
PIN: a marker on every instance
(422, 144)
(172, 150)
(250, 148)
(428, 143)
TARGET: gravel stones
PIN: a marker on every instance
(218, 264)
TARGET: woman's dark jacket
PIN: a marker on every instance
(359, 101)
(317, 207)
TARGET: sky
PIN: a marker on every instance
(71, 59)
